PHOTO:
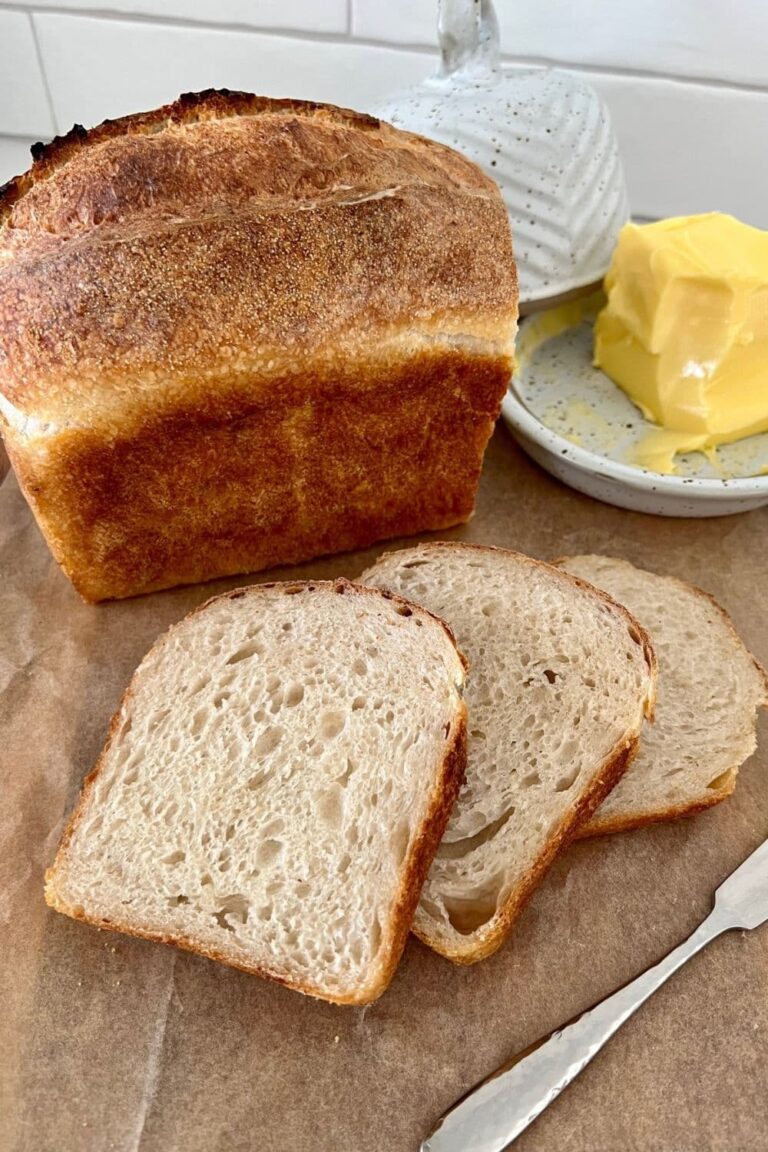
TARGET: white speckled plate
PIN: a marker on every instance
(579, 426)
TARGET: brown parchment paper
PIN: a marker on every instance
(109, 1043)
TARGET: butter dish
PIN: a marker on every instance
(580, 427)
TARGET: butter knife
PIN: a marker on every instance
(494, 1113)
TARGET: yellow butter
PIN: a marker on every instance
(685, 331)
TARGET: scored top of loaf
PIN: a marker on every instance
(220, 233)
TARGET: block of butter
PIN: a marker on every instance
(685, 331)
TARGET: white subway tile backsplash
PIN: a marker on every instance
(24, 109)
(98, 68)
(399, 21)
(14, 156)
(694, 38)
(301, 15)
(689, 147)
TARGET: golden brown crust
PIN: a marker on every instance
(445, 791)
(322, 465)
(230, 287)
(190, 108)
(608, 825)
(203, 241)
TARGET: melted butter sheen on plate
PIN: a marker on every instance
(685, 332)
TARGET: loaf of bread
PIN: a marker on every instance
(274, 786)
(238, 332)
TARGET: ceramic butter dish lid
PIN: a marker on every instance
(543, 135)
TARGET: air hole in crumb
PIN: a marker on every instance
(400, 840)
(550, 675)
(419, 622)
(359, 667)
(375, 936)
(531, 780)
(467, 915)
(457, 849)
(198, 722)
(634, 634)
(330, 806)
(158, 719)
(246, 652)
(268, 851)
(227, 913)
(229, 834)
(478, 734)
(303, 889)
(175, 901)
(349, 768)
(404, 610)
(358, 703)
(372, 651)
(131, 777)
(720, 781)
(588, 681)
(258, 779)
(567, 780)
(344, 862)
(267, 741)
(294, 695)
(177, 857)
(446, 730)
(331, 725)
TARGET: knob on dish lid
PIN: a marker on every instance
(543, 135)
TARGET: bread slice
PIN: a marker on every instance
(560, 680)
(274, 786)
(709, 691)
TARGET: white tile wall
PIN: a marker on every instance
(686, 80)
(301, 15)
(99, 68)
(705, 39)
(24, 108)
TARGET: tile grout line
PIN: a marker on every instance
(43, 73)
(348, 38)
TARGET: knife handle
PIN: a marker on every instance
(494, 1114)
